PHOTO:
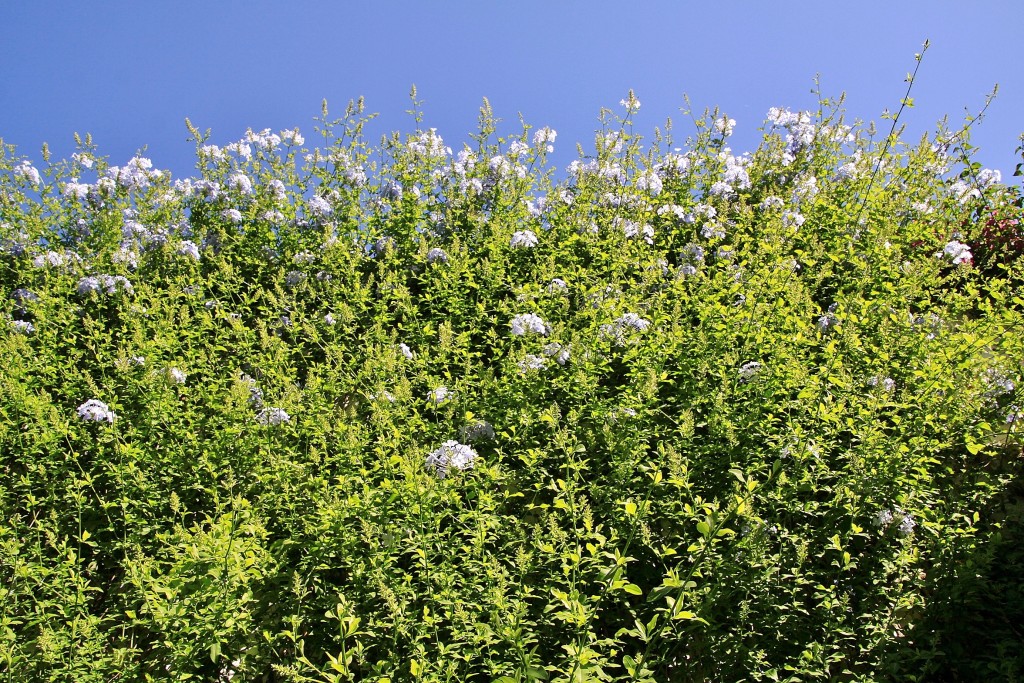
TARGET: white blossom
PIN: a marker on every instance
(176, 376)
(523, 239)
(439, 395)
(94, 410)
(532, 363)
(451, 455)
(481, 430)
(528, 322)
(273, 416)
(749, 370)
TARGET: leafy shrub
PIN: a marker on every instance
(407, 413)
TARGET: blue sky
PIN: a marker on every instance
(130, 72)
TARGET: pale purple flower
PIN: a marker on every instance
(749, 370)
(190, 249)
(273, 416)
(523, 239)
(319, 207)
(543, 137)
(957, 252)
(526, 323)
(439, 395)
(451, 455)
(437, 255)
(532, 363)
(28, 172)
(94, 410)
(481, 430)
(560, 353)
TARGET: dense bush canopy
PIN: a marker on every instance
(406, 412)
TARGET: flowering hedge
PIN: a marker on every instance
(344, 412)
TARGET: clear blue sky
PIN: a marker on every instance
(130, 72)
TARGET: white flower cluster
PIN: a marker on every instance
(748, 370)
(96, 411)
(176, 376)
(28, 172)
(523, 239)
(618, 329)
(440, 395)
(560, 353)
(55, 259)
(905, 522)
(544, 137)
(800, 127)
(481, 430)
(528, 322)
(134, 175)
(429, 144)
(557, 285)
(190, 249)
(23, 326)
(451, 455)
(110, 284)
(532, 363)
(318, 207)
(888, 383)
(957, 252)
(273, 416)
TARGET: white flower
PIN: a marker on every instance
(176, 376)
(748, 370)
(631, 103)
(451, 454)
(885, 518)
(28, 172)
(481, 430)
(528, 322)
(429, 144)
(792, 219)
(104, 283)
(557, 285)
(888, 383)
(240, 182)
(560, 353)
(96, 411)
(436, 255)
(439, 395)
(523, 239)
(293, 137)
(273, 416)
(233, 215)
(318, 206)
(55, 259)
(329, 319)
(23, 326)
(544, 137)
(531, 363)
(957, 252)
(406, 351)
(189, 248)
(632, 321)
(294, 278)
(725, 125)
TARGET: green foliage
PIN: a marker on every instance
(399, 414)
